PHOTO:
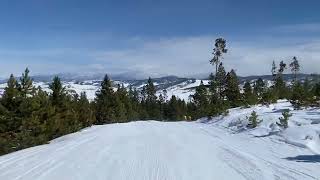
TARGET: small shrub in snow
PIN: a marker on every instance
(284, 120)
(253, 120)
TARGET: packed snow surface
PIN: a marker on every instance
(222, 148)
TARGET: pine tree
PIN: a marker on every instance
(274, 69)
(249, 97)
(150, 91)
(232, 89)
(201, 101)
(284, 120)
(259, 87)
(316, 90)
(105, 102)
(10, 97)
(216, 104)
(253, 120)
(298, 95)
(58, 92)
(162, 103)
(221, 79)
(85, 112)
(280, 86)
(173, 109)
(151, 100)
(123, 108)
(25, 83)
(218, 51)
(295, 67)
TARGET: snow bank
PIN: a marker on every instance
(303, 130)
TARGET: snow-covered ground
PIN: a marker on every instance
(221, 148)
(303, 131)
(182, 90)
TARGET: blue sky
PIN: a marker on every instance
(155, 38)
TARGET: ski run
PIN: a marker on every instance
(216, 149)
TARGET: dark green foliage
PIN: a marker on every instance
(232, 90)
(274, 69)
(279, 88)
(253, 120)
(25, 86)
(259, 88)
(295, 67)
(249, 97)
(201, 101)
(217, 105)
(298, 95)
(316, 90)
(151, 103)
(176, 109)
(218, 51)
(284, 120)
(29, 116)
(105, 102)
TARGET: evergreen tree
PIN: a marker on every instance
(123, 108)
(298, 95)
(58, 92)
(11, 94)
(249, 97)
(280, 88)
(284, 120)
(201, 101)
(218, 51)
(295, 67)
(177, 109)
(151, 100)
(316, 90)
(221, 79)
(162, 103)
(232, 89)
(105, 102)
(25, 83)
(253, 120)
(274, 69)
(85, 111)
(259, 87)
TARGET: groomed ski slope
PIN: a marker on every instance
(151, 150)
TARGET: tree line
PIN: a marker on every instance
(224, 91)
(30, 116)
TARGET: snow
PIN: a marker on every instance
(303, 131)
(183, 90)
(221, 148)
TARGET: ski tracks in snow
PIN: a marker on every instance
(153, 150)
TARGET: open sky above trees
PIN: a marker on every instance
(152, 38)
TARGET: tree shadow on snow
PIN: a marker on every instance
(305, 158)
(278, 110)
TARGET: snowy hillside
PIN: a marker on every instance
(222, 148)
(180, 87)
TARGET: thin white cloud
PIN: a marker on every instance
(184, 56)
(304, 27)
(190, 56)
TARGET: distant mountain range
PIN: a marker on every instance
(161, 80)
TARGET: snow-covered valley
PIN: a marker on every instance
(181, 87)
(220, 148)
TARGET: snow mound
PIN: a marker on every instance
(303, 130)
